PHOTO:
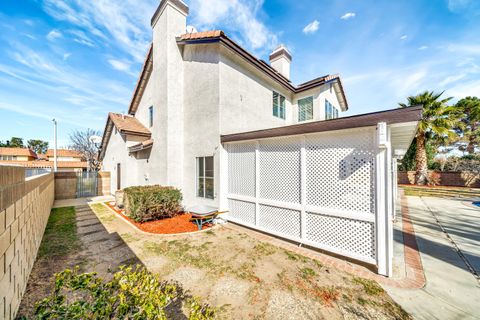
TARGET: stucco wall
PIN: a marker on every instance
(24, 209)
(246, 97)
(198, 92)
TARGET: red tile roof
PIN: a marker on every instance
(141, 146)
(63, 153)
(128, 124)
(202, 35)
(46, 164)
(17, 152)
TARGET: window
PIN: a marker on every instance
(150, 116)
(305, 109)
(205, 187)
(278, 105)
(330, 111)
(8, 157)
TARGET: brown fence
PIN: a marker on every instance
(25, 205)
(451, 179)
(66, 184)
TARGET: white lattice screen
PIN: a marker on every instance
(280, 169)
(338, 205)
(341, 164)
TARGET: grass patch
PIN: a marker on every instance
(371, 287)
(60, 237)
(264, 249)
(183, 252)
(307, 273)
(295, 257)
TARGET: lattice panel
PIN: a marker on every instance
(280, 169)
(242, 211)
(280, 220)
(353, 236)
(340, 170)
(241, 168)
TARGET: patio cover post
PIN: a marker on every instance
(382, 196)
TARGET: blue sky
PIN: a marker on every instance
(76, 60)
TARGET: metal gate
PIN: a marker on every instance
(317, 189)
(87, 183)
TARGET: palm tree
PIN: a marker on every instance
(469, 112)
(437, 123)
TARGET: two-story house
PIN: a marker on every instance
(232, 131)
(195, 87)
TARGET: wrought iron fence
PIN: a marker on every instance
(87, 183)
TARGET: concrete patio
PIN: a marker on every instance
(450, 258)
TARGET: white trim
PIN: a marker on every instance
(352, 215)
(257, 183)
(380, 205)
(345, 253)
(303, 189)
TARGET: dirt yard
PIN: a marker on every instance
(225, 267)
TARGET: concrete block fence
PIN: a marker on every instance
(66, 184)
(25, 205)
(450, 179)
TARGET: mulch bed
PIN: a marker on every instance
(177, 224)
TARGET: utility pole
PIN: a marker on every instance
(54, 145)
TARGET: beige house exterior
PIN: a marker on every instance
(200, 86)
(233, 132)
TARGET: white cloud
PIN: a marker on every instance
(451, 79)
(124, 24)
(464, 89)
(404, 37)
(464, 6)
(238, 16)
(66, 56)
(423, 48)
(473, 49)
(119, 65)
(191, 29)
(53, 35)
(312, 27)
(82, 38)
(348, 15)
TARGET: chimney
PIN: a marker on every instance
(280, 60)
(169, 22)
(177, 5)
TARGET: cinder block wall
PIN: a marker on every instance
(450, 179)
(103, 186)
(25, 205)
(66, 185)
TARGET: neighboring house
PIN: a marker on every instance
(63, 155)
(17, 154)
(234, 132)
(67, 160)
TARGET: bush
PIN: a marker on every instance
(131, 294)
(145, 203)
(433, 178)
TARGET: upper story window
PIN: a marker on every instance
(278, 105)
(205, 188)
(150, 116)
(305, 109)
(330, 111)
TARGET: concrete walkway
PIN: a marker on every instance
(452, 289)
(81, 201)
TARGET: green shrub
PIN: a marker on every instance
(132, 293)
(145, 203)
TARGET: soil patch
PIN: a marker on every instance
(177, 224)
